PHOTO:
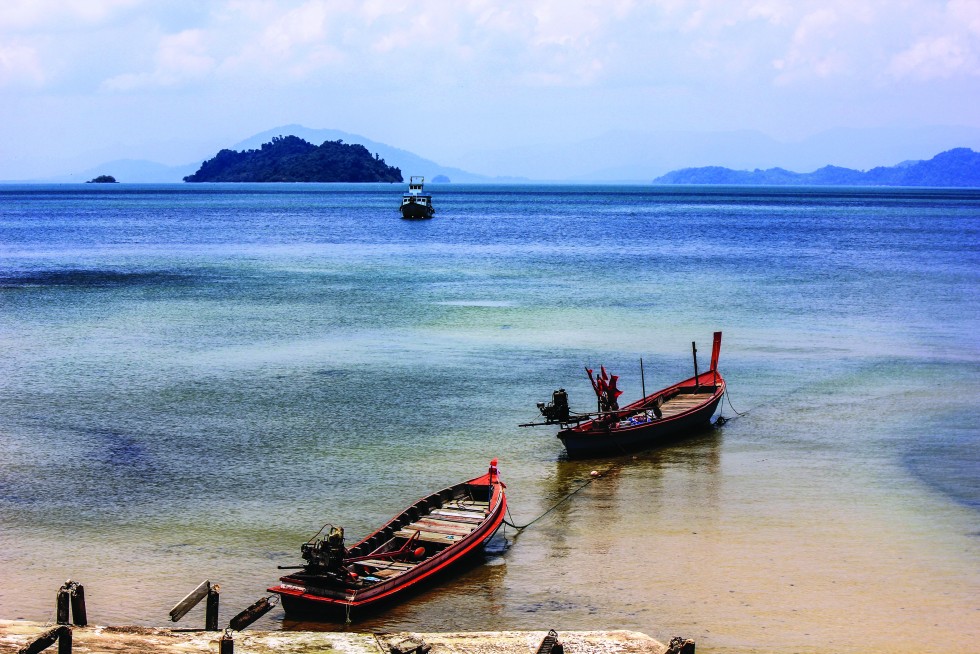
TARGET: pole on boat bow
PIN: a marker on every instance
(643, 381)
(694, 351)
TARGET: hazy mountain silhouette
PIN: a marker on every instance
(409, 163)
(641, 156)
(629, 156)
(959, 167)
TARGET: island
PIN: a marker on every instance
(102, 179)
(959, 167)
(292, 159)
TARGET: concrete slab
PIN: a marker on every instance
(16, 634)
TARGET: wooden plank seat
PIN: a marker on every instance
(430, 536)
(467, 505)
(387, 563)
(689, 397)
(683, 402)
(441, 526)
(465, 517)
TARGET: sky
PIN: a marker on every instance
(86, 81)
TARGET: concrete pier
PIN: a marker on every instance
(16, 634)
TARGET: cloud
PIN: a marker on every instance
(472, 43)
(825, 43)
(19, 15)
(938, 57)
(950, 46)
(296, 28)
(20, 65)
(180, 58)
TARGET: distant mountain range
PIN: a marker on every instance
(622, 156)
(640, 156)
(959, 167)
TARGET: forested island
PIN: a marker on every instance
(959, 167)
(292, 159)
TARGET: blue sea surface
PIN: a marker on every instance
(194, 378)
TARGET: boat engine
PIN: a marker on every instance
(326, 553)
(557, 409)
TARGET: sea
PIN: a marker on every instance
(194, 379)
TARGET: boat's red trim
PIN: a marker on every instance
(715, 351)
(710, 378)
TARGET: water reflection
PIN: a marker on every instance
(467, 598)
(602, 547)
(599, 538)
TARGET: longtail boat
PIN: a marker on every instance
(681, 408)
(429, 537)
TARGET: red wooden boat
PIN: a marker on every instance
(422, 541)
(683, 407)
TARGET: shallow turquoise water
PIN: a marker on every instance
(195, 378)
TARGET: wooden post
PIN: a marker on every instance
(227, 643)
(47, 639)
(253, 613)
(680, 645)
(78, 615)
(211, 616)
(694, 350)
(643, 381)
(549, 643)
(62, 610)
(64, 641)
(189, 602)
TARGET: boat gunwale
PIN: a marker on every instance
(427, 568)
(595, 427)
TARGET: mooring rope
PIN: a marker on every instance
(350, 602)
(729, 398)
(510, 522)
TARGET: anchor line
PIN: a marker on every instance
(729, 398)
(350, 602)
(510, 523)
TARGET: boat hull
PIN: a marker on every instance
(416, 211)
(677, 410)
(303, 606)
(687, 406)
(305, 597)
(596, 438)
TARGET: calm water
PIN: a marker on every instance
(194, 379)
